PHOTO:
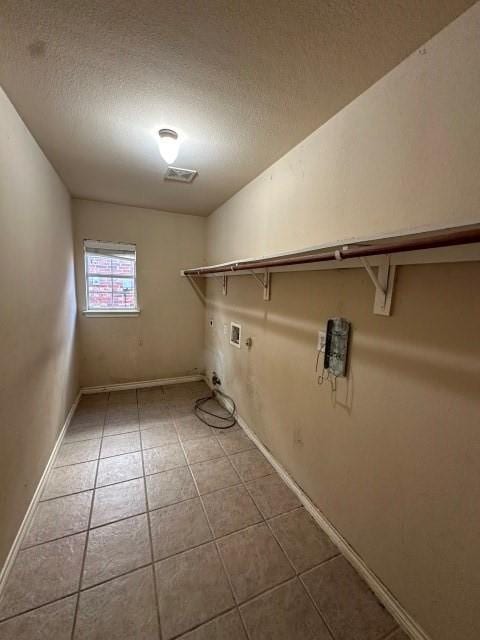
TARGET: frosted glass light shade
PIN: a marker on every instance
(168, 144)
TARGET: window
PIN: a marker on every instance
(110, 276)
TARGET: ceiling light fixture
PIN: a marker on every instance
(168, 144)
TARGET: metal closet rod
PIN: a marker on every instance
(467, 235)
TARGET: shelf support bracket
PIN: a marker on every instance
(264, 283)
(224, 285)
(196, 288)
(383, 281)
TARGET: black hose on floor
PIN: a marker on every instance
(201, 412)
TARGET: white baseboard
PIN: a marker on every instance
(403, 618)
(142, 384)
(12, 554)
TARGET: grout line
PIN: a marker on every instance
(192, 548)
(67, 535)
(75, 464)
(219, 555)
(62, 466)
(383, 595)
(100, 408)
(76, 593)
(159, 446)
(120, 575)
(310, 597)
(262, 593)
(267, 523)
(177, 442)
(136, 515)
(148, 564)
(117, 454)
(121, 433)
(44, 604)
(150, 537)
(197, 626)
(298, 573)
(75, 615)
(142, 448)
(172, 468)
(171, 504)
(89, 528)
(315, 566)
(214, 540)
(105, 524)
(67, 495)
(82, 440)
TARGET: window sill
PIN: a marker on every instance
(105, 313)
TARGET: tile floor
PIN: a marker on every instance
(154, 526)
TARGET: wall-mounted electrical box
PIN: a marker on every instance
(336, 346)
(322, 338)
(235, 334)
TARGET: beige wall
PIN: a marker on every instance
(392, 458)
(38, 381)
(403, 155)
(166, 339)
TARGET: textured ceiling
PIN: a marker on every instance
(243, 80)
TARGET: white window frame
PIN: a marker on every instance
(111, 246)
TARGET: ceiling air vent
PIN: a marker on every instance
(180, 175)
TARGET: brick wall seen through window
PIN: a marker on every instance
(111, 279)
